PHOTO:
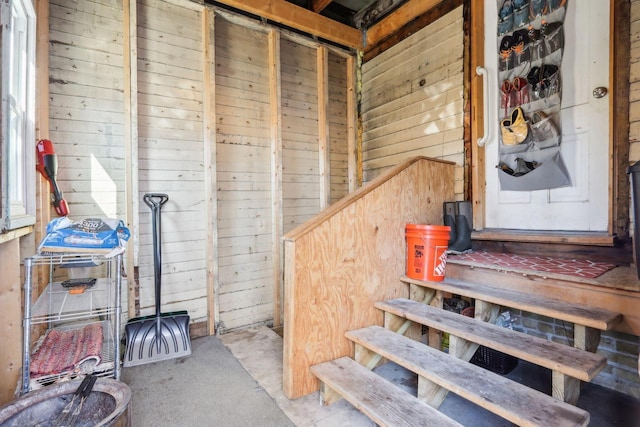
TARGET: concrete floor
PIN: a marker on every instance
(236, 380)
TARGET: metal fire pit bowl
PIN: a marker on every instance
(107, 405)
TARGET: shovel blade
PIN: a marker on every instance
(145, 345)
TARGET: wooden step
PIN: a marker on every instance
(382, 401)
(515, 402)
(567, 360)
(591, 317)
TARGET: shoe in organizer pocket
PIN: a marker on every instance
(543, 128)
(553, 36)
(514, 129)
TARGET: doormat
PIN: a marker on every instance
(68, 350)
(546, 264)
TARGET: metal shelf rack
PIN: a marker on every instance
(57, 308)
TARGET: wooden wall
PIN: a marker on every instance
(338, 126)
(243, 149)
(222, 113)
(10, 319)
(87, 106)
(352, 255)
(634, 89)
(412, 100)
(300, 149)
(171, 154)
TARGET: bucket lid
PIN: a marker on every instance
(428, 227)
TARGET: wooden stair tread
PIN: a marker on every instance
(592, 317)
(515, 402)
(379, 399)
(568, 360)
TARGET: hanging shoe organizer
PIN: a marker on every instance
(530, 46)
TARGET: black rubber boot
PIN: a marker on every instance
(449, 215)
(464, 226)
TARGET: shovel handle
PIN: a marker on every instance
(155, 200)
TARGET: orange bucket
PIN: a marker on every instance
(427, 251)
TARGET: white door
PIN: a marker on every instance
(585, 131)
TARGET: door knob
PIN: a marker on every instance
(600, 92)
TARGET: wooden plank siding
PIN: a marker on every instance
(86, 107)
(86, 120)
(412, 100)
(300, 150)
(338, 127)
(243, 150)
(171, 154)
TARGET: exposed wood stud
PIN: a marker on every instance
(352, 143)
(209, 136)
(359, 128)
(322, 70)
(43, 198)
(276, 174)
(130, 58)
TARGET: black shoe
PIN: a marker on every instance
(449, 215)
(464, 226)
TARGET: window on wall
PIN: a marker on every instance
(17, 188)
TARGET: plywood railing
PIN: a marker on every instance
(350, 256)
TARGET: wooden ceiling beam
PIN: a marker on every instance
(396, 20)
(370, 13)
(319, 5)
(297, 17)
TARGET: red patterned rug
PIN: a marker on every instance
(546, 264)
(67, 350)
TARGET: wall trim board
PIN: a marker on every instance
(620, 51)
(476, 51)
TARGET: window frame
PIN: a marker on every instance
(17, 184)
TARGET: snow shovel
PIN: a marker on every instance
(164, 335)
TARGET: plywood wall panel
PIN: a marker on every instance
(349, 257)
